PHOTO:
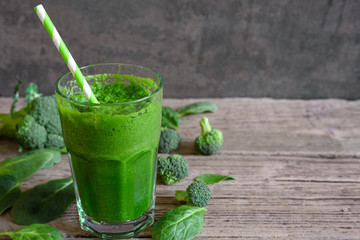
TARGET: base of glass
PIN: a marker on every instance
(118, 230)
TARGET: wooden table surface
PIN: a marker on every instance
(297, 165)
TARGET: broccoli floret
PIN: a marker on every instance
(198, 193)
(172, 169)
(30, 134)
(55, 141)
(211, 139)
(35, 126)
(169, 140)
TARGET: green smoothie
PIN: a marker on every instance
(112, 146)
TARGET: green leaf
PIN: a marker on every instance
(170, 118)
(214, 178)
(15, 97)
(34, 232)
(9, 192)
(44, 203)
(181, 196)
(14, 170)
(60, 150)
(181, 223)
(32, 92)
(199, 107)
(26, 164)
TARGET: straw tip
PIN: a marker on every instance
(38, 6)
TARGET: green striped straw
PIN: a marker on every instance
(66, 55)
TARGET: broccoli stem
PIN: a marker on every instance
(205, 126)
(7, 125)
(181, 196)
(9, 122)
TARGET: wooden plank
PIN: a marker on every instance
(253, 126)
(290, 197)
(267, 126)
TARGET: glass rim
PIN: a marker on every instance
(160, 86)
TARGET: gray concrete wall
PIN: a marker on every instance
(202, 48)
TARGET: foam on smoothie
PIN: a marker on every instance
(122, 88)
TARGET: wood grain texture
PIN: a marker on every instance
(297, 165)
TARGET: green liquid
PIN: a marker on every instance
(112, 150)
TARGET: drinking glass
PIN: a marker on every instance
(112, 149)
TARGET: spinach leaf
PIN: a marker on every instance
(26, 164)
(14, 170)
(199, 107)
(34, 232)
(44, 203)
(9, 191)
(181, 223)
(170, 118)
(61, 150)
(214, 178)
